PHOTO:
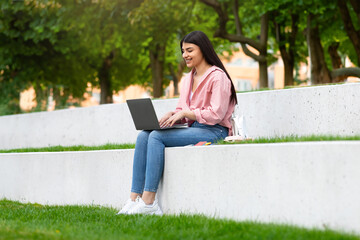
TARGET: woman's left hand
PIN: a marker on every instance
(173, 119)
(178, 116)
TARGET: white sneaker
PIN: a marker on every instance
(142, 208)
(128, 205)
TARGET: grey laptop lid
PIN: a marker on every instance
(143, 114)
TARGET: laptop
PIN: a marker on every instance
(144, 115)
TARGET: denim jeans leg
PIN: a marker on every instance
(155, 161)
(139, 163)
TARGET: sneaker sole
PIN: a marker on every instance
(158, 212)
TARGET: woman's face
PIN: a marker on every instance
(192, 55)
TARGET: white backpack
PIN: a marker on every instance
(239, 131)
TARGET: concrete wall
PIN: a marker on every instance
(308, 184)
(95, 177)
(330, 110)
(109, 123)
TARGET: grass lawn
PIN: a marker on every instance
(296, 139)
(72, 148)
(132, 145)
(34, 221)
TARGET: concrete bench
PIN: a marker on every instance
(311, 184)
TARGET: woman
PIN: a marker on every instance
(206, 102)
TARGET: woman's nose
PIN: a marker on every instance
(184, 54)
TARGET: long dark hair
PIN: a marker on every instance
(202, 41)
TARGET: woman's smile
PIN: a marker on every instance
(192, 55)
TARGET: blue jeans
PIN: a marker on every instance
(148, 163)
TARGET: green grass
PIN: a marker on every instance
(71, 148)
(296, 139)
(34, 221)
(132, 145)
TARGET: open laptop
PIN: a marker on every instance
(144, 115)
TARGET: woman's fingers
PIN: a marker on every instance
(162, 120)
(176, 117)
(170, 119)
(165, 118)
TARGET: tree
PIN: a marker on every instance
(110, 52)
(286, 19)
(319, 70)
(312, 18)
(198, 18)
(350, 24)
(34, 49)
(317, 20)
(156, 21)
(260, 55)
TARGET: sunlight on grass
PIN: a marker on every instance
(34, 221)
(72, 148)
(132, 145)
(295, 139)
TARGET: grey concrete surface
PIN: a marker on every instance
(311, 184)
(323, 110)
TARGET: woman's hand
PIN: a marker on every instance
(177, 117)
(173, 119)
(165, 118)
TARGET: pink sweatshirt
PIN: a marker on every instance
(211, 99)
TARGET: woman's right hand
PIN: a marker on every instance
(165, 117)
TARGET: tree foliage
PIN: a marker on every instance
(290, 21)
(61, 45)
(36, 49)
(156, 22)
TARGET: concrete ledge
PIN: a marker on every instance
(322, 110)
(332, 110)
(93, 177)
(98, 125)
(307, 184)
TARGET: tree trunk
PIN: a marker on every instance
(287, 55)
(13, 106)
(106, 95)
(263, 74)
(60, 95)
(263, 71)
(157, 60)
(177, 76)
(354, 35)
(319, 71)
(288, 61)
(41, 95)
(288, 73)
(335, 60)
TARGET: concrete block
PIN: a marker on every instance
(323, 110)
(98, 125)
(89, 177)
(311, 184)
